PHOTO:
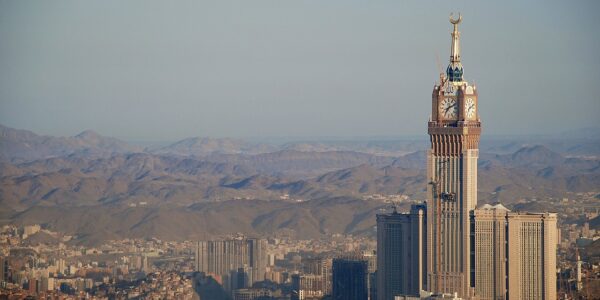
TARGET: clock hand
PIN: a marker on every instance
(447, 109)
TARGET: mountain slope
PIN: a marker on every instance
(311, 219)
(22, 145)
(76, 180)
(198, 146)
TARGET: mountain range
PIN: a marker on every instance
(98, 187)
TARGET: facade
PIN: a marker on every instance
(349, 279)
(532, 241)
(224, 257)
(400, 262)
(515, 254)
(454, 129)
(251, 294)
(145, 266)
(4, 269)
(308, 286)
(371, 258)
(320, 266)
(489, 228)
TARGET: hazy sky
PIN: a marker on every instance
(164, 70)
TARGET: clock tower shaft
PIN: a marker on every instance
(454, 130)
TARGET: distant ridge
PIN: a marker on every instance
(234, 185)
(22, 145)
(198, 146)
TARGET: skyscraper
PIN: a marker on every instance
(531, 270)
(307, 286)
(485, 253)
(145, 266)
(400, 262)
(349, 280)
(4, 269)
(454, 129)
(320, 266)
(220, 257)
(489, 259)
(514, 254)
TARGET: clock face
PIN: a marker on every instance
(448, 108)
(470, 108)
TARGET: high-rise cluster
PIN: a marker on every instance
(449, 246)
(237, 262)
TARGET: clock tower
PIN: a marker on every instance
(454, 129)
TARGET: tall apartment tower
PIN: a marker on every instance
(320, 266)
(4, 269)
(514, 254)
(490, 259)
(221, 257)
(307, 286)
(454, 129)
(349, 280)
(401, 266)
(532, 240)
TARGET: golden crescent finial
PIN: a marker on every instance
(455, 22)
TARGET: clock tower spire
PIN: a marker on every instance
(454, 72)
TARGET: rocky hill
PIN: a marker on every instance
(310, 219)
(198, 146)
(22, 145)
(97, 187)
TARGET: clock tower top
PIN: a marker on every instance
(454, 72)
(454, 109)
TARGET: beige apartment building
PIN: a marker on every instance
(489, 227)
(532, 240)
(515, 254)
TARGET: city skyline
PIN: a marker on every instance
(270, 214)
(164, 72)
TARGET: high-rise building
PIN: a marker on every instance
(349, 281)
(221, 257)
(532, 240)
(4, 269)
(400, 263)
(514, 254)
(371, 258)
(320, 266)
(579, 283)
(454, 129)
(145, 265)
(307, 286)
(489, 259)
(61, 266)
(241, 278)
(485, 253)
